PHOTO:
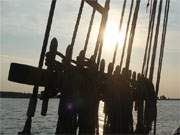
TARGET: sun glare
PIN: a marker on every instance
(112, 36)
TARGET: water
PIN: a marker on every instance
(12, 117)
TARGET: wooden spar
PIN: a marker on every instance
(33, 100)
(100, 40)
(149, 37)
(77, 26)
(155, 42)
(126, 36)
(120, 26)
(96, 6)
(162, 52)
(132, 33)
(89, 30)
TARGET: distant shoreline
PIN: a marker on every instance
(4, 94)
(14, 95)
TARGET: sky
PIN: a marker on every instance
(23, 25)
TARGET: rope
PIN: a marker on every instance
(102, 26)
(89, 30)
(150, 44)
(120, 26)
(151, 6)
(149, 50)
(126, 36)
(102, 29)
(46, 37)
(132, 33)
(155, 42)
(147, 5)
(45, 42)
(77, 25)
(166, 13)
(149, 37)
(33, 100)
(162, 45)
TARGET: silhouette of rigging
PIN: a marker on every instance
(82, 83)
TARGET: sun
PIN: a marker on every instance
(113, 36)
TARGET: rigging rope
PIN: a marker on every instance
(162, 47)
(120, 26)
(132, 33)
(149, 50)
(155, 42)
(149, 38)
(102, 27)
(147, 5)
(151, 7)
(76, 26)
(33, 99)
(126, 36)
(166, 13)
(89, 30)
(100, 40)
(46, 36)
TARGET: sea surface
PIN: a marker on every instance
(13, 116)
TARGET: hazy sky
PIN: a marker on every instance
(22, 30)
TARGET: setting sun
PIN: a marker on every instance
(112, 36)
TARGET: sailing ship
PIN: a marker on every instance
(82, 83)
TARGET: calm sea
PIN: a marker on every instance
(12, 117)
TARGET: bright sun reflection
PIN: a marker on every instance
(112, 36)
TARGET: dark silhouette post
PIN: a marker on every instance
(88, 109)
(51, 65)
(100, 88)
(150, 108)
(67, 122)
(140, 104)
(126, 102)
(107, 99)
